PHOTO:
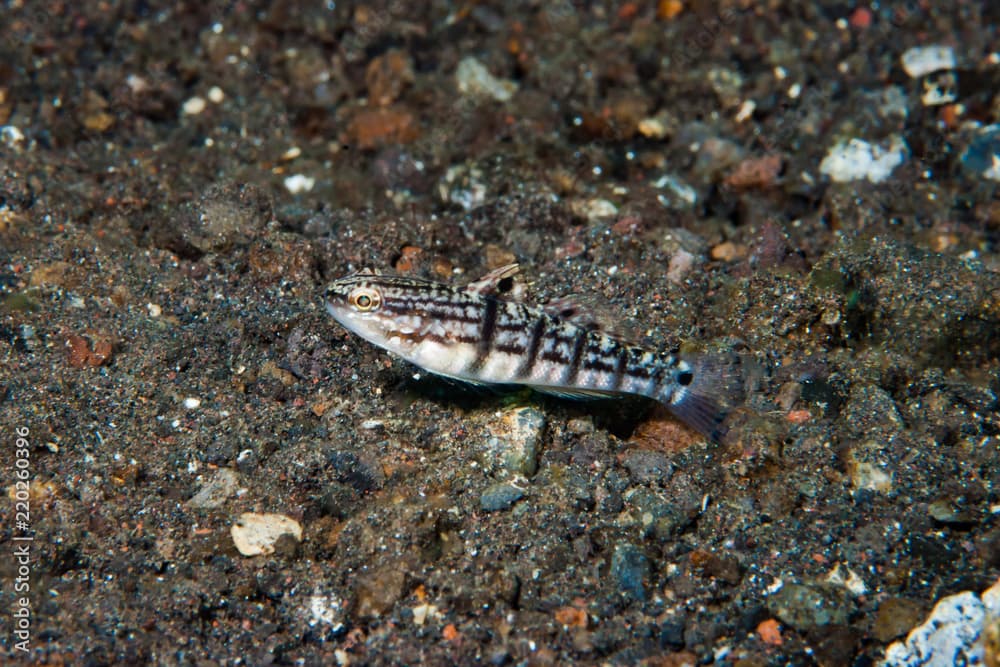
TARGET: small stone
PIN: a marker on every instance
(387, 76)
(515, 439)
(499, 497)
(809, 607)
(422, 611)
(950, 512)
(629, 569)
(939, 89)
(256, 534)
(855, 160)
(648, 466)
(298, 183)
(756, 172)
(895, 617)
(474, 80)
(193, 106)
(594, 209)
(94, 352)
(982, 157)
(727, 251)
(922, 60)
(380, 590)
(580, 425)
(949, 636)
(371, 128)
(867, 476)
(720, 566)
(680, 265)
(676, 195)
(216, 490)
(841, 575)
(99, 121)
(659, 126)
(657, 516)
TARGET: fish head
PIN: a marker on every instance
(373, 307)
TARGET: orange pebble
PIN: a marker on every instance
(668, 9)
(799, 416)
(770, 632)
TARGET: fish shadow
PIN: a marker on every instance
(619, 415)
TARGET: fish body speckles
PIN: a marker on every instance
(473, 334)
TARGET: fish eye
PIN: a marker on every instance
(365, 299)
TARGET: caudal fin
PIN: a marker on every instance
(705, 389)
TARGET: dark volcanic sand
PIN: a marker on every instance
(165, 348)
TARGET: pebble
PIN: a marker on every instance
(216, 490)
(680, 265)
(594, 209)
(194, 106)
(658, 517)
(951, 634)
(647, 466)
(374, 127)
(629, 567)
(474, 80)
(872, 420)
(500, 496)
(255, 534)
(515, 439)
(463, 185)
(856, 159)
(982, 157)
(894, 618)
(922, 60)
(808, 607)
(327, 610)
(676, 194)
(841, 575)
(298, 183)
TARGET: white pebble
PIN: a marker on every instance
(921, 60)
(192, 403)
(194, 106)
(474, 79)
(856, 159)
(215, 95)
(255, 534)
(299, 183)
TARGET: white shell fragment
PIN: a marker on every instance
(951, 635)
(255, 534)
(922, 60)
(298, 183)
(475, 80)
(856, 159)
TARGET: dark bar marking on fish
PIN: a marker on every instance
(535, 342)
(573, 369)
(486, 332)
(616, 381)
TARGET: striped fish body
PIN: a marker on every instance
(475, 335)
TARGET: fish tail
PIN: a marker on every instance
(702, 391)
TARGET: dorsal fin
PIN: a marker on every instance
(589, 312)
(490, 283)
